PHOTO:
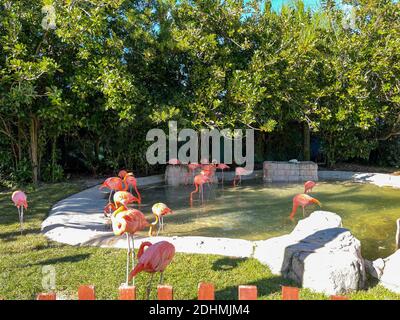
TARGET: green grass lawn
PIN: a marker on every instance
(22, 258)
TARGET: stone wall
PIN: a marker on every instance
(281, 171)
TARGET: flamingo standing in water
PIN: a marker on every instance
(199, 181)
(308, 186)
(192, 168)
(302, 200)
(128, 222)
(159, 211)
(20, 201)
(155, 259)
(239, 172)
(222, 167)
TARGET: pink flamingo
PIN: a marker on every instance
(239, 172)
(132, 183)
(113, 184)
(159, 210)
(156, 258)
(122, 174)
(192, 168)
(123, 198)
(222, 167)
(302, 200)
(199, 181)
(20, 201)
(128, 222)
(308, 186)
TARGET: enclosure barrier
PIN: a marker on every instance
(206, 291)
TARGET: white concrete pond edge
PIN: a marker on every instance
(78, 219)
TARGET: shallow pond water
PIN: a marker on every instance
(257, 211)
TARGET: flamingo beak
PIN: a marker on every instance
(318, 203)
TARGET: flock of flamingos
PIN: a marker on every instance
(127, 221)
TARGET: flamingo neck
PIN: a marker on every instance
(142, 247)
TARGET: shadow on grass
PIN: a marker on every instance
(67, 259)
(13, 235)
(225, 264)
(265, 287)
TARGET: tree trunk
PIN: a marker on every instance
(306, 143)
(34, 135)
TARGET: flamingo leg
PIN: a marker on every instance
(202, 194)
(148, 289)
(222, 177)
(304, 213)
(127, 258)
(133, 255)
(161, 278)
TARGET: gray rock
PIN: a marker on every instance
(387, 271)
(319, 254)
(390, 278)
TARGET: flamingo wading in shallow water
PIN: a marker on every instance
(308, 186)
(239, 172)
(222, 167)
(154, 259)
(20, 201)
(302, 200)
(199, 181)
(128, 222)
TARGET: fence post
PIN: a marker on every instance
(339, 298)
(290, 293)
(164, 292)
(206, 291)
(86, 292)
(46, 296)
(247, 293)
(127, 292)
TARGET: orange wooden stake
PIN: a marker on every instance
(46, 296)
(339, 298)
(164, 292)
(86, 292)
(290, 293)
(206, 291)
(127, 292)
(247, 293)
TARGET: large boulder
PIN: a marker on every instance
(387, 271)
(318, 254)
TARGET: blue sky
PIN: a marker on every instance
(277, 4)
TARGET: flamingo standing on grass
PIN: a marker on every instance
(159, 211)
(20, 201)
(128, 222)
(199, 181)
(308, 186)
(154, 259)
(302, 200)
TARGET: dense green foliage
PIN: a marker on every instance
(79, 93)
